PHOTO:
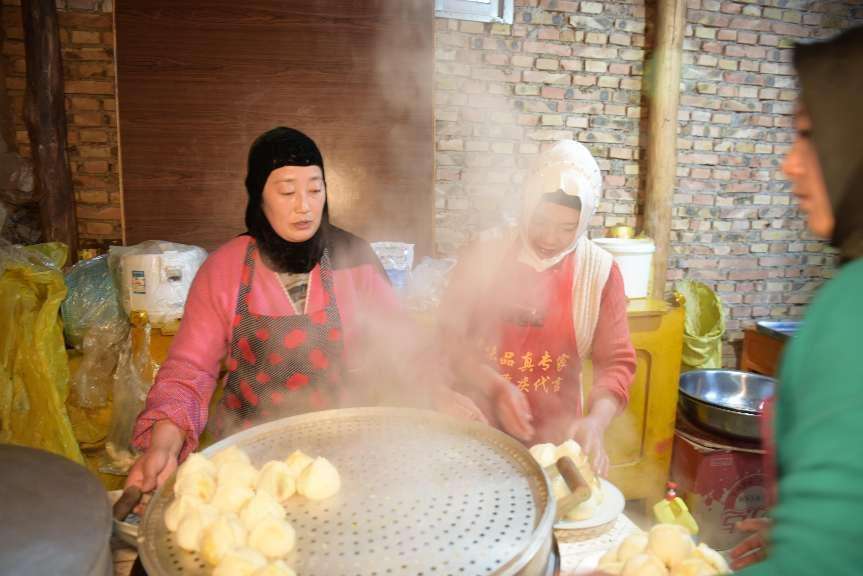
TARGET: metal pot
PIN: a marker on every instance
(55, 516)
(725, 401)
(421, 493)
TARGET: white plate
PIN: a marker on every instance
(611, 507)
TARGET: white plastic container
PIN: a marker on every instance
(155, 277)
(634, 256)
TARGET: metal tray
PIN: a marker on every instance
(422, 493)
(726, 401)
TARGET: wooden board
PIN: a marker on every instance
(199, 81)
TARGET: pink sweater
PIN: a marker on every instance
(188, 378)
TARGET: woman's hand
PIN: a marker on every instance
(512, 408)
(458, 405)
(157, 464)
(754, 548)
(589, 432)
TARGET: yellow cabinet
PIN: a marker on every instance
(639, 440)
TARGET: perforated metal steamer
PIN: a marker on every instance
(422, 494)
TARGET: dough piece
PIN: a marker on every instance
(272, 538)
(644, 565)
(192, 527)
(544, 454)
(231, 497)
(297, 462)
(632, 545)
(319, 480)
(237, 473)
(240, 562)
(670, 543)
(587, 508)
(260, 507)
(196, 463)
(693, 567)
(277, 568)
(558, 486)
(609, 557)
(200, 484)
(222, 536)
(276, 480)
(572, 449)
(614, 568)
(178, 509)
(713, 558)
(230, 454)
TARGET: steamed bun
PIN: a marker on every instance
(319, 480)
(220, 537)
(544, 454)
(196, 463)
(277, 568)
(261, 506)
(273, 538)
(178, 509)
(297, 462)
(670, 543)
(231, 497)
(192, 527)
(276, 480)
(237, 473)
(713, 558)
(230, 454)
(199, 484)
(644, 565)
(693, 567)
(240, 562)
(632, 545)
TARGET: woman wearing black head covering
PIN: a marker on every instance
(817, 523)
(276, 306)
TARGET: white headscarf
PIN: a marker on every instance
(569, 166)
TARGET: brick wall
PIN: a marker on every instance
(563, 69)
(87, 43)
(574, 69)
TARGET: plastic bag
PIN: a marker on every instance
(397, 259)
(92, 380)
(703, 328)
(427, 283)
(92, 299)
(133, 378)
(34, 371)
(155, 277)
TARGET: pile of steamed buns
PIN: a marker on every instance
(233, 514)
(666, 550)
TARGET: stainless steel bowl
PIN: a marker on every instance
(726, 401)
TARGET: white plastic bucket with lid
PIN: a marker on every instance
(634, 257)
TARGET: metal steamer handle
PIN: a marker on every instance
(578, 486)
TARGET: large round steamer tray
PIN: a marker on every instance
(422, 493)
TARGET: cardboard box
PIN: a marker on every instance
(722, 481)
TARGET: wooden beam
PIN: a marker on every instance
(45, 115)
(664, 96)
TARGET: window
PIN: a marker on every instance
(481, 10)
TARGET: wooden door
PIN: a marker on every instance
(198, 81)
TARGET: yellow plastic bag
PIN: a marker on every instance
(34, 371)
(703, 327)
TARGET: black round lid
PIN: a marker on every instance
(55, 517)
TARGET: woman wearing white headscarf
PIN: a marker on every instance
(526, 306)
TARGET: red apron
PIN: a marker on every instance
(534, 345)
(280, 365)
